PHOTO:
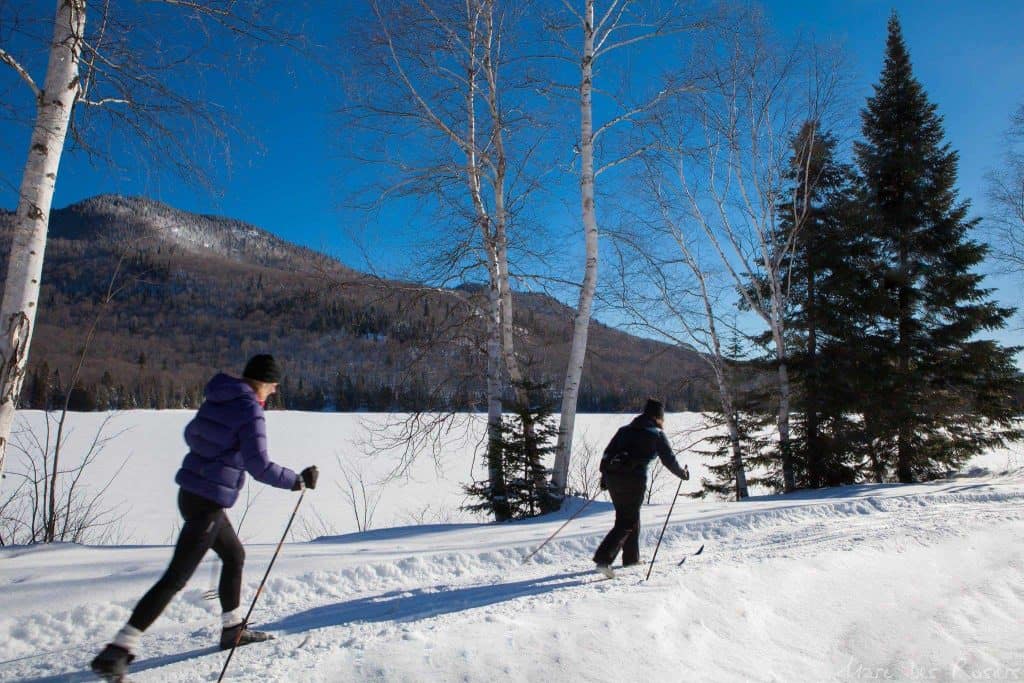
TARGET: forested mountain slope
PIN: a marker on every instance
(196, 293)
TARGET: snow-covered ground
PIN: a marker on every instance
(881, 582)
(148, 448)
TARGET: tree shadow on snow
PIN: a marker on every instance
(422, 603)
(571, 506)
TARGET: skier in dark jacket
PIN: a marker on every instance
(624, 473)
(226, 439)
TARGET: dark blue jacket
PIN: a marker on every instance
(637, 445)
(226, 439)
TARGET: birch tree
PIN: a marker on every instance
(665, 289)
(103, 77)
(754, 96)
(54, 102)
(1006, 194)
(440, 91)
(601, 34)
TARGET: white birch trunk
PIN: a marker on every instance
(739, 469)
(25, 264)
(732, 426)
(788, 476)
(516, 378)
(725, 392)
(501, 268)
(507, 323)
(779, 337)
(495, 387)
(515, 373)
(494, 239)
(498, 256)
(581, 325)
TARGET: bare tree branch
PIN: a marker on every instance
(1006, 194)
(105, 101)
(6, 58)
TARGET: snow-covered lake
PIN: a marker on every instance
(148, 445)
(876, 582)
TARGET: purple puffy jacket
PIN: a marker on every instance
(226, 439)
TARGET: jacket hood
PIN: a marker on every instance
(223, 388)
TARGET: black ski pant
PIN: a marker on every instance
(627, 492)
(206, 526)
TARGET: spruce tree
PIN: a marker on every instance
(754, 411)
(40, 394)
(823, 298)
(754, 420)
(817, 273)
(846, 365)
(529, 435)
(939, 393)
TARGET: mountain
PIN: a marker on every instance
(138, 220)
(196, 293)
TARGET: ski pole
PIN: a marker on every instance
(663, 527)
(256, 597)
(582, 508)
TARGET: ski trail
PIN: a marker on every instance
(368, 621)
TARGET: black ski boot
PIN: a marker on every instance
(112, 663)
(242, 636)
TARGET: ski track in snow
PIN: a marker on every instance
(920, 582)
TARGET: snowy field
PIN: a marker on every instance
(148, 447)
(879, 582)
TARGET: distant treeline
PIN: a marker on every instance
(45, 389)
(185, 307)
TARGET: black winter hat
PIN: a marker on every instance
(654, 408)
(262, 368)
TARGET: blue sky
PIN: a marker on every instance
(968, 55)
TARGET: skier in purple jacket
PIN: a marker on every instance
(226, 439)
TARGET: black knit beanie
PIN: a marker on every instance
(262, 368)
(654, 409)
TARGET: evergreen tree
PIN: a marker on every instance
(40, 393)
(821, 285)
(525, 453)
(525, 477)
(940, 395)
(822, 295)
(755, 450)
(754, 422)
(82, 399)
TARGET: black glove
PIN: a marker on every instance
(603, 484)
(686, 473)
(307, 478)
